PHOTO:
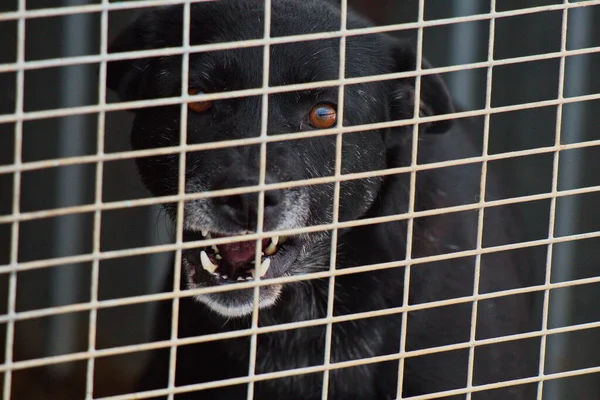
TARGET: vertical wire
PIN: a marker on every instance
(181, 191)
(336, 199)
(412, 195)
(578, 77)
(482, 191)
(14, 243)
(94, 282)
(261, 196)
(553, 200)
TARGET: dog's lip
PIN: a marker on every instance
(206, 266)
(203, 234)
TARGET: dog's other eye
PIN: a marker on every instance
(323, 116)
(198, 106)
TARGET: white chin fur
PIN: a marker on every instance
(231, 311)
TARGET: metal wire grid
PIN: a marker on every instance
(18, 118)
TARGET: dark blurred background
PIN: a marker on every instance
(452, 44)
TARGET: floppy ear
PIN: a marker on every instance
(128, 77)
(434, 98)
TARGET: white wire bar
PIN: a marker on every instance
(411, 199)
(264, 118)
(336, 199)
(16, 197)
(94, 281)
(482, 192)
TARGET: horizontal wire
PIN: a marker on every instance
(43, 13)
(132, 105)
(175, 51)
(125, 155)
(122, 204)
(354, 363)
(126, 301)
(108, 255)
(132, 5)
(117, 351)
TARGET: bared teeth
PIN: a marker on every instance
(264, 267)
(262, 270)
(272, 246)
(206, 263)
(257, 272)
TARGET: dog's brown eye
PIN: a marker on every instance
(323, 116)
(198, 106)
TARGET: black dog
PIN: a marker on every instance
(367, 150)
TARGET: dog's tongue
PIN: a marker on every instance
(240, 253)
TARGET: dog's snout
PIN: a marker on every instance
(242, 209)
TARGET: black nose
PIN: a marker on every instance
(242, 209)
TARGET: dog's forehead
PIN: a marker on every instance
(298, 61)
(288, 63)
(231, 20)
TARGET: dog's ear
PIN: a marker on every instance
(434, 98)
(127, 77)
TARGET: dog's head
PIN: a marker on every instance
(289, 112)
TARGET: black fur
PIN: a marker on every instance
(228, 20)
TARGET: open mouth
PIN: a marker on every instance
(235, 262)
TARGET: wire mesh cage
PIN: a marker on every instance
(85, 249)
